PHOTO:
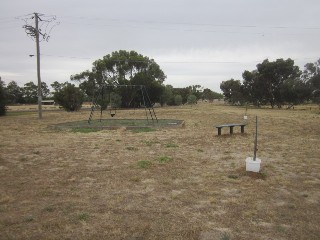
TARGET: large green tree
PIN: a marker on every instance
(273, 75)
(14, 93)
(311, 76)
(232, 91)
(123, 68)
(30, 92)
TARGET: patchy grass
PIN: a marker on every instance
(13, 114)
(130, 148)
(142, 129)
(172, 183)
(164, 159)
(171, 145)
(144, 164)
(83, 216)
(85, 130)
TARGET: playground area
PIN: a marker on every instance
(181, 182)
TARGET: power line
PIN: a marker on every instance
(194, 24)
(170, 62)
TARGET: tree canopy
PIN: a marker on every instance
(276, 83)
(123, 68)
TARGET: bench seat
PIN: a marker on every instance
(231, 126)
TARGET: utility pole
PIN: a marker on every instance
(39, 34)
(36, 17)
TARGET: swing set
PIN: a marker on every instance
(106, 99)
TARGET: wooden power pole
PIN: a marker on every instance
(38, 34)
(36, 17)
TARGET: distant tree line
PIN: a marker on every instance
(121, 68)
(275, 83)
(28, 94)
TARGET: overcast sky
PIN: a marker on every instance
(200, 42)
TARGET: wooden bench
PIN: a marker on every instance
(231, 126)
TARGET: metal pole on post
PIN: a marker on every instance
(36, 17)
(255, 141)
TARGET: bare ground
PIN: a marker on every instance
(65, 185)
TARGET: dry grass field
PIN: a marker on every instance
(181, 183)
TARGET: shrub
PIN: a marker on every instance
(177, 100)
(192, 99)
(69, 97)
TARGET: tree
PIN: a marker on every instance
(123, 68)
(30, 92)
(273, 75)
(183, 92)
(210, 95)
(57, 86)
(177, 100)
(311, 75)
(295, 91)
(3, 98)
(192, 99)
(232, 91)
(45, 90)
(196, 90)
(69, 97)
(167, 95)
(253, 88)
(14, 93)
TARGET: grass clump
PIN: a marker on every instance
(143, 129)
(83, 216)
(171, 145)
(164, 159)
(225, 236)
(130, 148)
(150, 143)
(144, 164)
(85, 130)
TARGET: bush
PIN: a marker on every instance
(3, 99)
(69, 97)
(192, 99)
(177, 100)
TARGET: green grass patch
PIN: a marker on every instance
(171, 145)
(12, 114)
(164, 159)
(143, 129)
(86, 130)
(83, 216)
(150, 143)
(144, 164)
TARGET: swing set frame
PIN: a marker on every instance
(103, 90)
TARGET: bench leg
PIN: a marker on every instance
(242, 129)
(219, 131)
(231, 130)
